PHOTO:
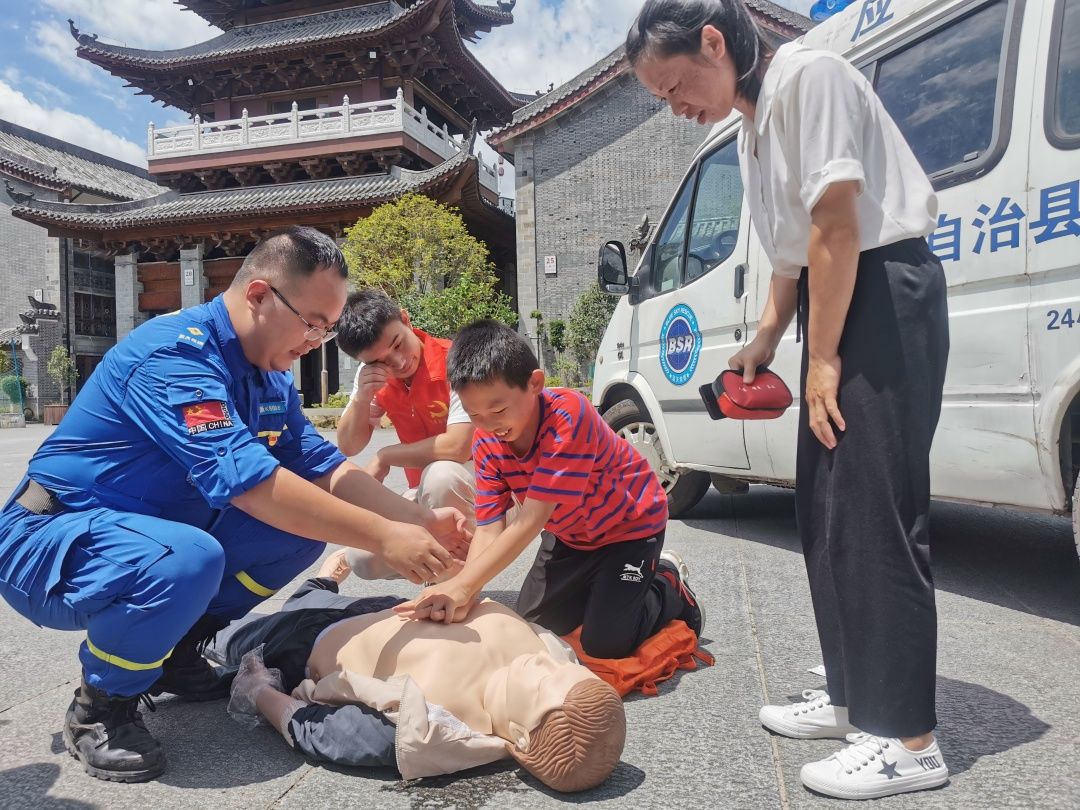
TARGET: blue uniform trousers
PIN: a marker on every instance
(137, 583)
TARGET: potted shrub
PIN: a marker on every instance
(61, 368)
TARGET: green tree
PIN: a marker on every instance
(61, 367)
(420, 253)
(585, 328)
(557, 335)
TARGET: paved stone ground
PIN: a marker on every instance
(1009, 695)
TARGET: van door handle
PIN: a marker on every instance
(740, 280)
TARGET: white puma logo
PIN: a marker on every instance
(636, 569)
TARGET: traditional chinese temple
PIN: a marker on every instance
(302, 112)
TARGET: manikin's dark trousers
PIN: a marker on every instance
(863, 508)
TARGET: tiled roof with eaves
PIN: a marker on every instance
(307, 29)
(173, 207)
(780, 14)
(54, 164)
(223, 13)
(553, 97)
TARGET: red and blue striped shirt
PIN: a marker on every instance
(604, 490)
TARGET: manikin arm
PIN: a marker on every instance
(344, 735)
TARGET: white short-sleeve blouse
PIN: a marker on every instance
(818, 121)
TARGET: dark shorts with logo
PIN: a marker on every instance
(611, 592)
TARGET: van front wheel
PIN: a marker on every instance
(684, 487)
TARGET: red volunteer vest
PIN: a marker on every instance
(419, 411)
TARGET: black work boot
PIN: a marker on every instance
(107, 735)
(186, 673)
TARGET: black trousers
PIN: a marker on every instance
(612, 592)
(863, 508)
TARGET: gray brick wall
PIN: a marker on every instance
(30, 260)
(588, 176)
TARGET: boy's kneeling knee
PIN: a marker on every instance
(597, 646)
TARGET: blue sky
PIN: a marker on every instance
(44, 86)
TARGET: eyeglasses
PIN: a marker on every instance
(313, 333)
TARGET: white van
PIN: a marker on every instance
(987, 93)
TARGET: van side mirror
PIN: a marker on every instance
(611, 269)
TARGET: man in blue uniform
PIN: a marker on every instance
(184, 486)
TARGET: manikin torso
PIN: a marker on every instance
(463, 667)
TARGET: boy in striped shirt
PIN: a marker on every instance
(601, 564)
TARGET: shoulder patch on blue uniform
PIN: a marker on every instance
(190, 338)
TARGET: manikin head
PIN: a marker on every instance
(287, 297)
(703, 57)
(373, 329)
(573, 746)
(495, 373)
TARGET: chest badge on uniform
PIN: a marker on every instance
(438, 410)
(201, 417)
(272, 436)
(266, 408)
(194, 330)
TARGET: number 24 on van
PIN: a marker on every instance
(1059, 319)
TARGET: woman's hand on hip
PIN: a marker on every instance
(820, 398)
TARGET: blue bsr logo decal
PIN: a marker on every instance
(680, 345)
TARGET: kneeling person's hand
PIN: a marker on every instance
(415, 554)
(450, 529)
(446, 602)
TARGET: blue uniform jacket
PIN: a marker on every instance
(175, 423)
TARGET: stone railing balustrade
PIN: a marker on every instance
(296, 126)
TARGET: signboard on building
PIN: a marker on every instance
(551, 266)
(189, 276)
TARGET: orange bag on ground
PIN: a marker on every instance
(675, 647)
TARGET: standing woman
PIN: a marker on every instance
(841, 207)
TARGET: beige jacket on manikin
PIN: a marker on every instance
(420, 673)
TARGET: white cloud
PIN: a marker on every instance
(39, 89)
(152, 24)
(135, 23)
(67, 126)
(551, 44)
(54, 44)
(547, 45)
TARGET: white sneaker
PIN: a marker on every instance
(813, 719)
(872, 767)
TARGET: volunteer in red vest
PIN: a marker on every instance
(403, 375)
